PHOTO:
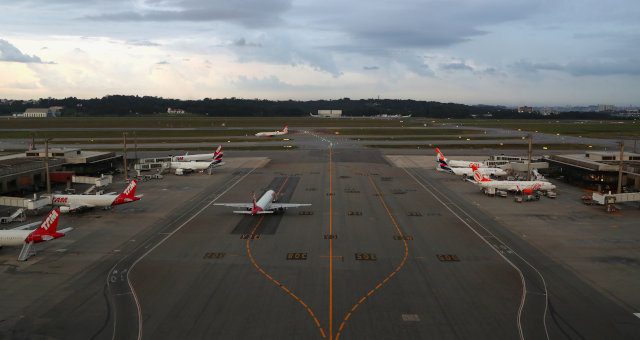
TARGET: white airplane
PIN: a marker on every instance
(70, 203)
(273, 133)
(199, 157)
(265, 205)
(444, 166)
(20, 236)
(526, 187)
(454, 163)
(183, 167)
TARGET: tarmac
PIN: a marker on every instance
(389, 249)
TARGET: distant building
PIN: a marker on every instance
(172, 111)
(39, 113)
(329, 113)
(525, 109)
(604, 108)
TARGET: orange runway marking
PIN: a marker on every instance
(272, 279)
(404, 259)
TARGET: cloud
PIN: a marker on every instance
(456, 66)
(271, 82)
(249, 13)
(164, 62)
(370, 68)
(9, 52)
(243, 43)
(580, 68)
(142, 43)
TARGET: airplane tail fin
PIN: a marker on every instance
(217, 156)
(440, 155)
(48, 229)
(479, 177)
(128, 194)
(286, 129)
(130, 190)
(253, 199)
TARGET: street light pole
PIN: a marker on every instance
(46, 163)
(126, 172)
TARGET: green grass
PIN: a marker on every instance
(388, 132)
(433, 138)
(130, 141)
(226, 148)
(118, 134)
(550, 147)
(191, 122)
(584, 128)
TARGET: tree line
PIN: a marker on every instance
(120, 105)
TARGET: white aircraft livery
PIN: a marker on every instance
(47, 230)
(200, 157)
(189, 166)
(70, 203)
(454, 163)
(444, 166)
(526, 187)
(265, 205)
(273, 133)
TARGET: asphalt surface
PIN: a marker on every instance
(384, 252)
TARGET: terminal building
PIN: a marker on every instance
(598, 170)
(26, 172)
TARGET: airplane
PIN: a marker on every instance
(199, 157)
(273, 133)
(73, 203)
(526, 187)
(265, 205)
(20, 236)
(454, 163)
(182, 167)
(468, 172)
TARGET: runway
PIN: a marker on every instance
(384, 252)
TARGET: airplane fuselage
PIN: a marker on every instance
(189, 158)
(469, 171)
(190, 165)
(264, 203)
(517, 185)
(84, 200)
(11, 238)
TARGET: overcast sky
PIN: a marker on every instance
(510, 52)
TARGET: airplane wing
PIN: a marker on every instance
(236, 205)
(27, 226)
(248, 212)
(289, 205)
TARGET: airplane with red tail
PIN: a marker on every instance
(273, 133)
(46, 231)
(265, 205)
(526, 187)
(74, 203)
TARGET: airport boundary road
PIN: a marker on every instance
(126, 307)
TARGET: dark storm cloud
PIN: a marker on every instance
(250, 13)
(8, 52)
(425, 24)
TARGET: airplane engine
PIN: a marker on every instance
(64, 209)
